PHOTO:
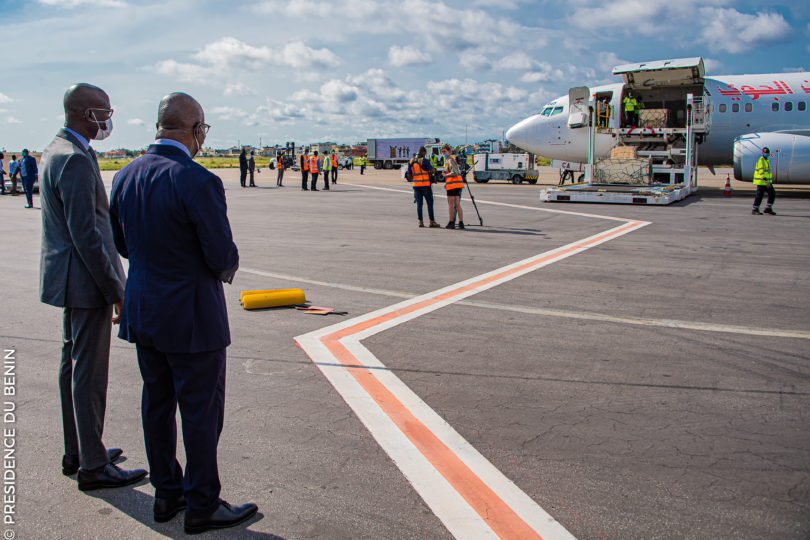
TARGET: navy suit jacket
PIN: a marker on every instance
(170, 220)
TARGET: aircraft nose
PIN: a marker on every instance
(519, 134)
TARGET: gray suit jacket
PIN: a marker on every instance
(79, 266)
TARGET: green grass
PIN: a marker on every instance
(223, 162)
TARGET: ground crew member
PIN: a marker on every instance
(454, 184)
(604, 112)
(333, 160)
(304, 169)
(327, 166)
(280, 167)
(362, 164)
(630, 105)
(243, 167)
(314, 169)
(762, 179)
(419, 169)
(251, 162)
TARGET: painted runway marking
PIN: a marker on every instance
(467, 493)
(551, 312)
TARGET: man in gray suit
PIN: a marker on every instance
(80, 271)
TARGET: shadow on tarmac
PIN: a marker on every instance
(474, 227)
(139, 506)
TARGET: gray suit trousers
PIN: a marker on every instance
(83, 382)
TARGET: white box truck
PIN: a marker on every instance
(515, 168)
(393, 153)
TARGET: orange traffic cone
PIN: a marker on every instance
(727, 188)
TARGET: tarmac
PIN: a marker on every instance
(641, 372)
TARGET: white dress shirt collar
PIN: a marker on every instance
(172, 142)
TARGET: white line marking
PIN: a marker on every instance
(464, 468)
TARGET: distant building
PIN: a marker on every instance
(115, 154)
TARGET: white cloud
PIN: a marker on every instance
(229, 51)
(726, 29)
(721, 29)
(229, 113)
(187, 72)
(298, 55)
(5, 99)
(77, 3)
(220, 59)
(713, 66)
(475, 62)
(13, 120)
(238, 89)
(406, 56)
(136, 122)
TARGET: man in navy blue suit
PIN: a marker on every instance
(170, 220)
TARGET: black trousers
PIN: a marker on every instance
(83, 382)
(304, 179)
(314, 181)
(334, 175)
(195, 382)
(761, 191)
(242, 177)
(251, 178)
(280, 177)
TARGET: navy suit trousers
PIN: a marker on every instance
(195, 382)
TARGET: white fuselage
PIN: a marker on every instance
(740, 104)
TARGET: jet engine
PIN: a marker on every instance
(790, 156)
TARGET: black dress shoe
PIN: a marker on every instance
(70, 464)
(108, 476)
(223, 517)
(166, 509)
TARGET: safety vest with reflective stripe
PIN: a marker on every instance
(421, 178)
(630, 104)
(304, 162)
(333, 161)
(327, 163)
(313, 164)
(452, 182)
(762, 174)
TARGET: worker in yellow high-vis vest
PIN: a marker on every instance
(762, 179)
(630, 106)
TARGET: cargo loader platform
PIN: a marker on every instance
(617, 193)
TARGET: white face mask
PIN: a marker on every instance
(105, 132)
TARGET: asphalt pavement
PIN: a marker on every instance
(656, 385)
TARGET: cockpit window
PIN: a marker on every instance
(557, 110)
(546, 111)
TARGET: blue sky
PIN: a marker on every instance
(347, 70)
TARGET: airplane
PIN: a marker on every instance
(744, 113)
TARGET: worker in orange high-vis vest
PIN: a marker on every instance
(304, 169)
(333, 160)
(280, 167)
(419, 169)
(454, 184)
(314, 169)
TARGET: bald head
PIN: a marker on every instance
(181, 118)
(84, 96)
(79, 101)
(179, 111)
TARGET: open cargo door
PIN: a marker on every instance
(578, 106)
(679, 72)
